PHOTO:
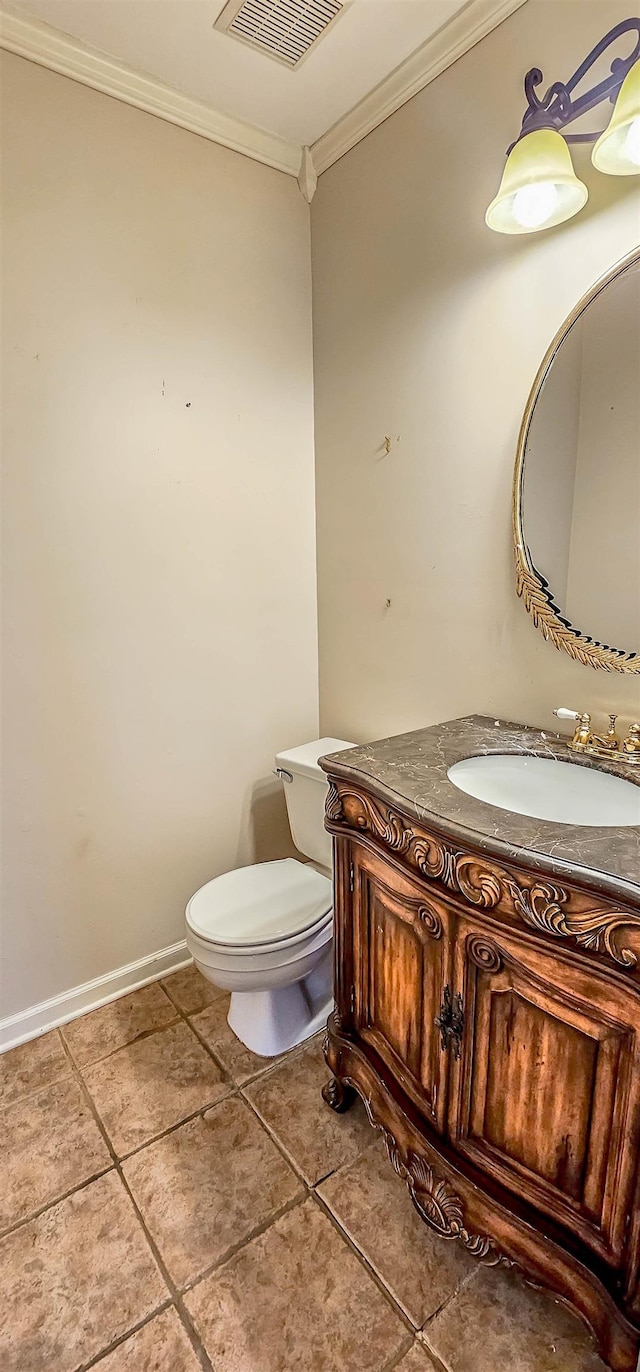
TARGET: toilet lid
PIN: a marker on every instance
(260, 904)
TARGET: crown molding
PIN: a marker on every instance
(308, 176)
(49, 48)
(59, 52)
(467, 28)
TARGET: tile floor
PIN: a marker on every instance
(169, 1202)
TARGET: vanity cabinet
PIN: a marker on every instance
(544, 1097)
(403, 957)
(490, 1020)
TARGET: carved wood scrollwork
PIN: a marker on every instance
(541, 907)
(485, 884)
(478, 884)
(431, 920)
(436, 1201)
(423, 910)
(333, 804)
(484, 953)
(442, 1210)
(337, 1095)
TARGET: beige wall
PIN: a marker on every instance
(429, 326)
(160, 624)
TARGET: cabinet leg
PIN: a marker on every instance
(338, 1096)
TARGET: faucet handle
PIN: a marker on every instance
(632, 741)
(582, 731)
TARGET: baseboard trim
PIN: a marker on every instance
(49, 1014)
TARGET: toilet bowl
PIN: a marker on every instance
(264, 932)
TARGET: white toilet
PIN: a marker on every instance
(264, 932)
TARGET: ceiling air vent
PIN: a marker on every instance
(283, 29)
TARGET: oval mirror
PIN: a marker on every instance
(577, 480)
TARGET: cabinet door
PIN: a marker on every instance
(401, 948)
(546, 1096)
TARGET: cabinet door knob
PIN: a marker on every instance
(450, 1022)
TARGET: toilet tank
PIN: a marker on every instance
(305, 789)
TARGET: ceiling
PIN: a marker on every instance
(174, 42)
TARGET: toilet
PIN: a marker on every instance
(264, 932)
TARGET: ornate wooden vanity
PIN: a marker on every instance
(488, 1014)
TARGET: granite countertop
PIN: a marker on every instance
(410, 771)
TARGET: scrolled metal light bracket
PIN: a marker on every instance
(557, 108)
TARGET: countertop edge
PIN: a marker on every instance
(600, 882)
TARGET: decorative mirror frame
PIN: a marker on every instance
(530, 584)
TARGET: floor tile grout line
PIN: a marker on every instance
(73, 1071)
(57, 1200)
(438, 1363)
(173, 1290)
(37, 1090)
(77, 1071)
(232, 1252)
(464, 1282)
(59, 1031)
(290, 1055)
(176, 1292)
(186, 1119)
(183, 1313)
(364, 1261)
(311, 1188)
(227, 1075)
(263, 1072)
(234, 1090)
(397, 1358)
(137, 1038)
(416, 1329)
(180, 1008)
(124, 1157)
(169, 1304)
(288, 1158)
(180, 1016)
(189, 1015)
(311, 1193)
(155, 1033)
(449, 1300)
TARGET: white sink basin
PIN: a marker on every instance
(546, 789)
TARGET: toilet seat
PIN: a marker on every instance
(265, 906)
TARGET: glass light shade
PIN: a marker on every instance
(539, 187)
(617, 150)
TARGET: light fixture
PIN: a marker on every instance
(617, 150)
(539, 187)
